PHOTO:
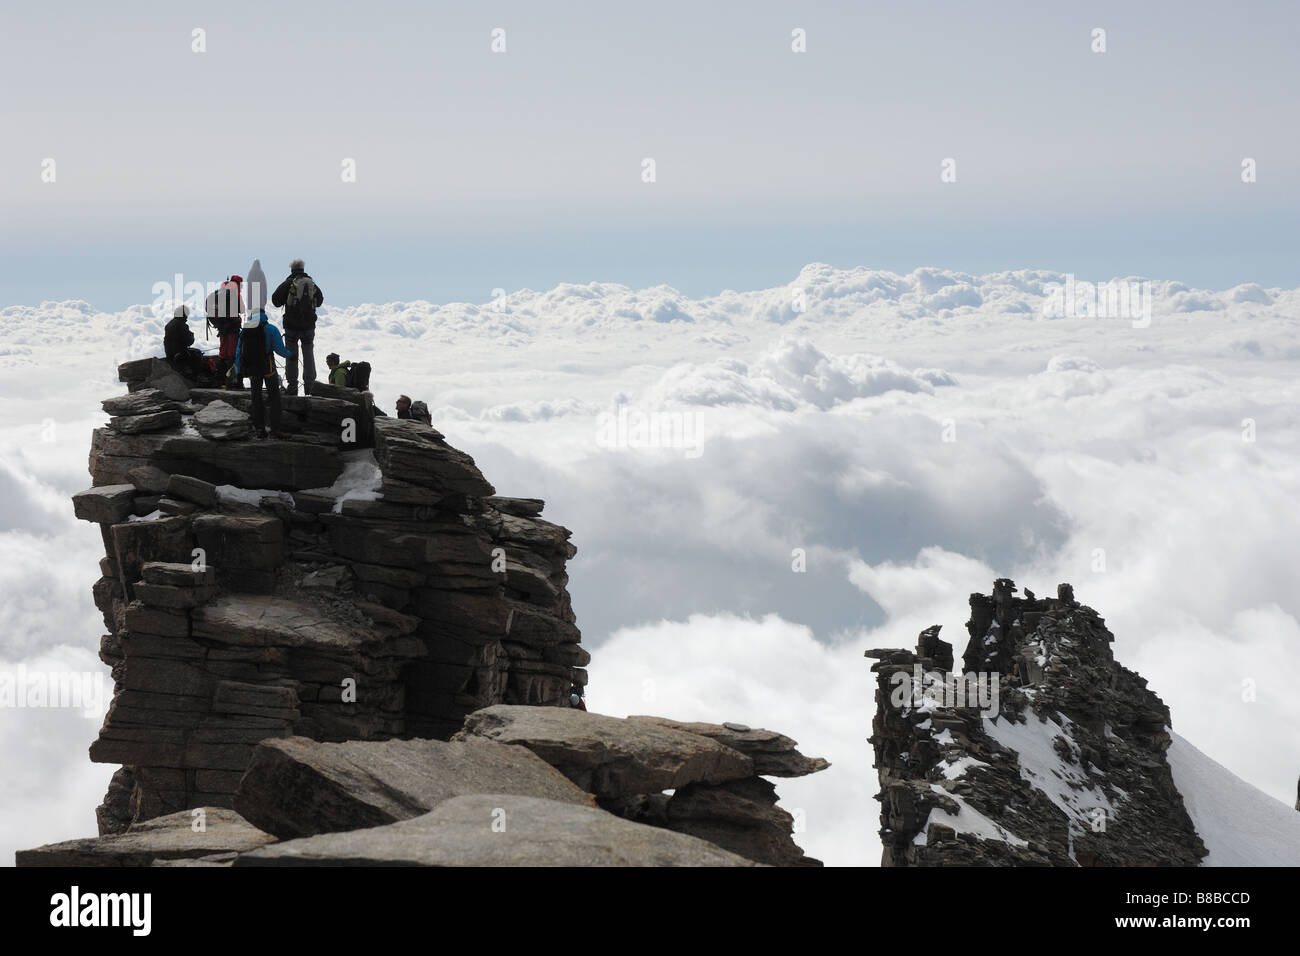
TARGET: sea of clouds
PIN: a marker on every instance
(904, 438)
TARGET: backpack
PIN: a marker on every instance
(300, 303)
(420, 413)
(254, 359)
(358, 376)
(223, 308)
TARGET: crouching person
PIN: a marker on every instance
(338, 370)
(177, 342)
(259, 344)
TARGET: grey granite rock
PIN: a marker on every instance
(499, 830)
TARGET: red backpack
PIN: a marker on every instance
(224, 308)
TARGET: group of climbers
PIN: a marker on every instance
(247, 345)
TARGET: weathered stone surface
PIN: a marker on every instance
(149, 479)
(195, 490)
(177, 575)
(244, 549)
(167, 596)
(414, 453)
(607, 755)
(106, 504)
(138, 542)
(774, 754)
(151, 422)
(536, 832)
(170, 837)
(144, 402)
(283, 465)
(219, 421)
(740, 816)
(523, 507)
(319, 389)
(165, 379)
(297, 787)
(1075, 738)
(382, 619)
(175, 506)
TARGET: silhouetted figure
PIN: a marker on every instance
(177, 339)
(259, 343)
(300, 297)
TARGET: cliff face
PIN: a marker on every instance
(357, 581)
(343, 648)
(1046, 752)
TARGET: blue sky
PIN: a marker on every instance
(521, 169)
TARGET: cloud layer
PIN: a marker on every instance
(838, 463)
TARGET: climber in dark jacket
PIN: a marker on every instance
(300, 297)
(177, 339)
(259, 343)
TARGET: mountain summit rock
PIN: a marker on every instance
(345, 640)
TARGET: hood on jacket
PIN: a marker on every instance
(254, 319)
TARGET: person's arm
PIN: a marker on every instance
(281, 294)
(276, 342)
(320, 296)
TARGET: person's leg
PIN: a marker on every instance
(259, 412)
(291, 339)
(308, 356)
(273, 397)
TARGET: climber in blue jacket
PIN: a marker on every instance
(259, 343)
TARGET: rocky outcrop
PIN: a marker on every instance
(438, 803)
(187, 835)
(608, 756)
(350, 639)
(359, 580)
(714, 772)
(1044, 750)
(499, 830)
(299, 787)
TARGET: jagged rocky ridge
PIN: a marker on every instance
(1064, 766)
(320, 614)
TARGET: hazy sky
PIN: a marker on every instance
(477, 170)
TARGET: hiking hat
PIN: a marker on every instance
(181, 312)
(253, 319)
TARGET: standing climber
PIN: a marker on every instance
(300, 297)
(225, 310)
(259, 343)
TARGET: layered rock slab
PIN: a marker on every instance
(609, 756)
(499, 830)
(298, 787)
(468, 602)
(774, 754)
(170, 837)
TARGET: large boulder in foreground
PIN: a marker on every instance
(490, 829)
(609, 756)
(296, 787)
(171, 837)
